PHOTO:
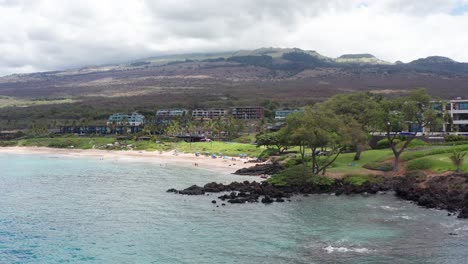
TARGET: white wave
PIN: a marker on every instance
(463, 228)
(388, 208)
(406, 217)
(331, 249)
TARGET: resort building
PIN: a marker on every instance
(209, 113)
(282, 114)
(248, 112)
(164, 116)
(455, 112)
(458, 110)
(171, 113)
(133, 119)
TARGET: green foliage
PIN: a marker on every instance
(378, 166)
(414, 143)
(267, 153)
(317, 129)
(384, 144)
(433, 151)
(458, 158)
(419, 164)
(245, 139)
(418, 175)
(296, 176)
(358, 179)
(8, 143)
(455, 138)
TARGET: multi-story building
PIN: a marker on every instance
(164, 116)
(209, 113)
(458, 110)
(171, 113)
(282, 114)
(248, 112)
(133, 119)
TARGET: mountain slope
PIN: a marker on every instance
(290, 77)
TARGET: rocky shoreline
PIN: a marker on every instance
(441, 192)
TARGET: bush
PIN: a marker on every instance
(8, 143)
(419, 164)
(418, 175)
(454, 138)
(267, 153)
(378, 166)
(414, 143)
(296, 161)
(383, 143)
(358, 180)
(297, 175)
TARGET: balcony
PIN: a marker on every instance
(460, 122)
(455, 111)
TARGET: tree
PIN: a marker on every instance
(321, 131)
(173, 129)
(362, 108)
(397, 114)
(458, 158)
(278, 139)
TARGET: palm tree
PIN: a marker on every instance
(458, 158)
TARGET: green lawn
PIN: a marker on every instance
(437, 163)
(345, 162)
(226, 148)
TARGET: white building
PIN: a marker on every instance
(133, 119)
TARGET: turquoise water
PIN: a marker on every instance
(87, 210)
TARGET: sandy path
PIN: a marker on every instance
(163, 158)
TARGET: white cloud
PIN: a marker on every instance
(39, 35)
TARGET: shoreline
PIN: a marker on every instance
(218, 165)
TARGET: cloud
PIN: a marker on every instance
(40, 35)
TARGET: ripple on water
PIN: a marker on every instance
(91, 210)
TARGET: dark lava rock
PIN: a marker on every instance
(193, 190)
(267, 200)
(172, 190)
(280, 200)
(463, 213)
(236, 201)
(213, 202)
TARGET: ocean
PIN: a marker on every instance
(57, 209)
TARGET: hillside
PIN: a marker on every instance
(288, 76)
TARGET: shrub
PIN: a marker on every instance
(378, 166)
(297, 175)
(8, 143)
(296, 161)
(420, 164)
(414, 143)
(267, 153)
(418, 175)
(358, 179)
(383, 143)
(458, 158)
(454, 138)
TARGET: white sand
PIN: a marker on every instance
(164, 158)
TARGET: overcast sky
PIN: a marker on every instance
(41, 35)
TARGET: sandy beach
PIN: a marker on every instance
(220, 165)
